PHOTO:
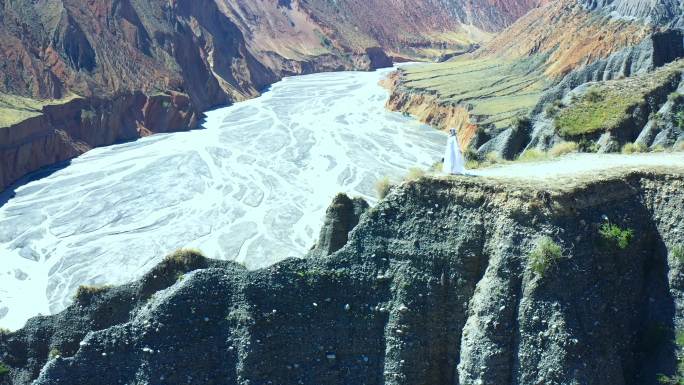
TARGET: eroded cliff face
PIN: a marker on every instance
(434, 286)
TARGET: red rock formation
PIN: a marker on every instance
(569, 34)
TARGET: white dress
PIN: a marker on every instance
(453, 157)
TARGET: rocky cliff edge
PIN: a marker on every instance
(440, 283)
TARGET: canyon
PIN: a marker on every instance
(77, 76)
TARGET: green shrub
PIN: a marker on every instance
(675, 97)
(383, 187)
(678, 253)
(4, 369)
(594, 94)
(521, 122)
(414, 173)
(613, 235)
(656, 117)
(437, 167)
(4, 332)
(493, 157)
(470, 154)
(473, 164)
(563, 148)
(532, 155)
(545, 254)
(631, 148)
(679, 120)
(490, 159)
(183, 255)
(54, 353)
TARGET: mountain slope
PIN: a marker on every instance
(498, 96)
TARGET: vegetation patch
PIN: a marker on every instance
(563, 148)
(4, 369)
(86, 292)
(497, 91)
(414, 174)
(678, 253)
(633, 148)
(383, 187)
(533, 155)
(15, 109)
(609, 104)
(545, 254)
(589, 115)
(184, 256)
(679, 120)
(490, 159)
(615, 236)
(54, 353)
(88, 115)
(437, 167)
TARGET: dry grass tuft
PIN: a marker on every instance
(563, 148)
(632, 148)
(383, 187)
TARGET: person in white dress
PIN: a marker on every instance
(454, 164)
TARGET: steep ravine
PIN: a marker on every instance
(432, 287)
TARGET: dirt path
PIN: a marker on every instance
(576, 164)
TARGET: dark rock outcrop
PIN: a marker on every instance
(340, 219)
(433, 287)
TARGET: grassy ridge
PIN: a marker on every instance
(608, 104)
(496, 89)
(588, 116)
(14, 109)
